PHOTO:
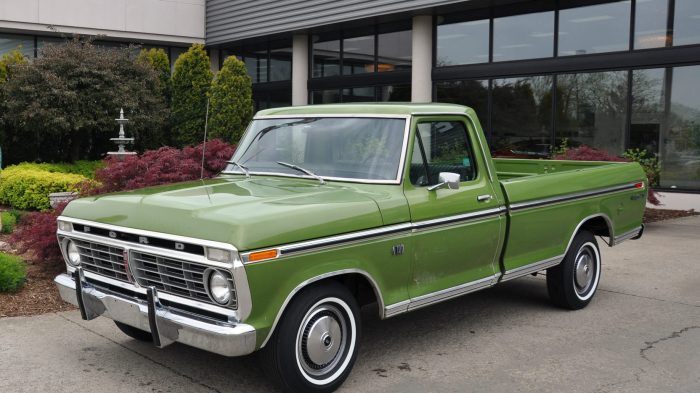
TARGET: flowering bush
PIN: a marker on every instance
(587, 153)
(37, 234)
(162, 166)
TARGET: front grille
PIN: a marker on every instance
(102, 259)
(173, 276)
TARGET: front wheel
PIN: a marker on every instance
(573, 282)
(315, 344)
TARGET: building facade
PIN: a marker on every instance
(614, 75)
(169, 24)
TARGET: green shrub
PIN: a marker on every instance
(61, 106)
(83, 168)
(649, 163)
(231, 105)
(9, 219)
(12, 273)
(24, 188)
(190, 85)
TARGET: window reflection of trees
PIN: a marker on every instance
(591, 109)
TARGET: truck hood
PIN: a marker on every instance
(247, 213)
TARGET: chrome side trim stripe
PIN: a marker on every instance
(396, 308)
(627, 235)
(439, 296)
(339, 239)
(458, 218)
(379, 232)
(531, 268)
(570, 197)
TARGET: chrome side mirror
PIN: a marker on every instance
(447, 180)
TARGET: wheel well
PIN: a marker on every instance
(359, 285)
(599, 226)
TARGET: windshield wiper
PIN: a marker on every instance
(300, 169)
(243, 168)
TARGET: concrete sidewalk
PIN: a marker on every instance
(641, 333)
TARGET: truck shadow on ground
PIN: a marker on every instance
(411, 332)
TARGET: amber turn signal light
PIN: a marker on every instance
(262, 255)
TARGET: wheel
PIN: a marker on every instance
(134, 333)
(315, 344)
(573, 282)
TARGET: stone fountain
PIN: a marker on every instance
(122, 140)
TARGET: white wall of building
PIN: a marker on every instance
(166, 21)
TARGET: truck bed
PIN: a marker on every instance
(611, 192)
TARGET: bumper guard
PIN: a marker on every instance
(165, 325)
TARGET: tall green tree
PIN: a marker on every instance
(191, 82)
(63, 104)
(157, 59)
(231, 101)
(8, 62)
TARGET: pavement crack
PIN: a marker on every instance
(651, 344)
(165, 366)
(648, 297)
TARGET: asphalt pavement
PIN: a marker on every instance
(641, 333)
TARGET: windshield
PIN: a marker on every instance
(330, 147)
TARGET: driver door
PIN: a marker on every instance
(458, 231)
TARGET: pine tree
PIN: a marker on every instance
(231, 101)
(191, 82)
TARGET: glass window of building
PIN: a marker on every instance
(396, 93)
(326, 57)
(472, 93)
(651, 24)
(359, 94)
(521, 124)
(686, 25)
(592, 108)
(462, 43)
(10, 42)
(358, 55)
(680, 142)
(648, 109)
(594, 29)
(527, 36)
(394, 51)
(331, 96)
(280, 64)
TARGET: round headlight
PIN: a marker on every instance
(72, 253)
(219, 288)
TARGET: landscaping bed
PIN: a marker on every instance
(37, 296)
(654, 215)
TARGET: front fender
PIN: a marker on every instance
(274, 283)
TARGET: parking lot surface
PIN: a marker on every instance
(641, 333)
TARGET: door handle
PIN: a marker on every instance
(484, 198)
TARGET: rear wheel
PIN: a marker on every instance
(572, 283)
(134, 333)
(315, 344)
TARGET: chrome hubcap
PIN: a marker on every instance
(584, 270)
(322, 338)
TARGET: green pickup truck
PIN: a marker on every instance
(324, 209)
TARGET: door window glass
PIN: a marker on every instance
(441, 146)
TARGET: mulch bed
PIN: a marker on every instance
(39, 294)
(654, 215)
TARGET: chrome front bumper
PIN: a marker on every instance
(165, 325)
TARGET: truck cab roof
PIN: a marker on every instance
(393, 108)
